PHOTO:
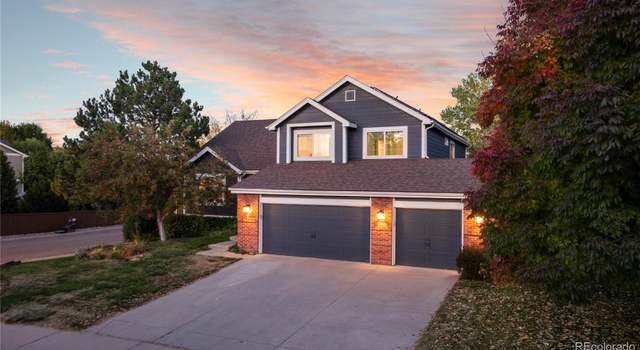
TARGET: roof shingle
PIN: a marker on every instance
(246, 144)
(389, 175)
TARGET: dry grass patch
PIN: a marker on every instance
(75, 292)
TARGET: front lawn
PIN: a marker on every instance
(75, 293)
(479, 315)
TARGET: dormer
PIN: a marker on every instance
(311, 132)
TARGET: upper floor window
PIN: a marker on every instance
(312, 144)
(350, 95)
(385, 142)
(452, 149)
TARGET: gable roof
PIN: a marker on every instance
(308, 101)
(403, 106)
(245, 145)
(11, 148)
(445, 176)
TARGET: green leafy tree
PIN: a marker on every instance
(461, 117)
(8, 186)
(39, 172)
(560, 169)
(150, 98)
(21, 132)
(144, 173)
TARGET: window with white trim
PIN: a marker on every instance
(385, 142)
(350, 95)
(446, 141)
(452, 149)
(312, 144)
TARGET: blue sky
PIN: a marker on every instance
(256, 55)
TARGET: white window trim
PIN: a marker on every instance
(405, 135)
(344, 144)
(291, 127)
(446, 141)
(346, 93)
(297, 132)
(452, 150)
(278, 146)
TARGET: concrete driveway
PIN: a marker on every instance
(279, 302)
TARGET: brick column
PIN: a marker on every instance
(248, 223)
(472, 230)
(382, 231)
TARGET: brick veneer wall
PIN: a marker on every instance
(382, 231)
(248, 223)
(472, 233)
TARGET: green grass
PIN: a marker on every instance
(74, 293)
(479, 315)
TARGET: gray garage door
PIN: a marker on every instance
(429, 238)
(328, 232)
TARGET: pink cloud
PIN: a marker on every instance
(63, 8)
(59, 127)
(269, 56)
(69, 65)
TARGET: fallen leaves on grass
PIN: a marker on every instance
(479, 315)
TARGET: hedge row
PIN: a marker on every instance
(176, 226)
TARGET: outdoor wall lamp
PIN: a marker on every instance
(479, 220)
(246, 209)
(380, 215)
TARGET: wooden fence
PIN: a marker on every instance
(16, 224)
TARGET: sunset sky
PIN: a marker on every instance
(257, 55)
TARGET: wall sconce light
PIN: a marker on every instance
(380, 215)
(246, 209)
(479, 220)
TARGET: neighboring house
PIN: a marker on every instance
(16, 159)
(358, 175)
(241, 149)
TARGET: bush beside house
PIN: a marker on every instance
(176, 225)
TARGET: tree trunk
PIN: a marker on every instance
(159, 219)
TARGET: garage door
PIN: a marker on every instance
(428, 237)
(330, 232)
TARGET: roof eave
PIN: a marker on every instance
(315, 104)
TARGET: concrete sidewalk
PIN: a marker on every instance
(24, 337)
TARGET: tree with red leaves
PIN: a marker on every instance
(561, 168)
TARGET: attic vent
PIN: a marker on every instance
(350, 95)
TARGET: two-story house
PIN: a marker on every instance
(359, 175)
(16, 160)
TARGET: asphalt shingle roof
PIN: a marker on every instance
(389, 175)
(246, 144)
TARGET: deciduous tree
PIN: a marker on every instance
(461, 117)
(143, 173)
(560, 169)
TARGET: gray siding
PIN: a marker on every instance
(460, 150)
(308, 114)
(435, 144)
(436, 147)
(369, 111)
